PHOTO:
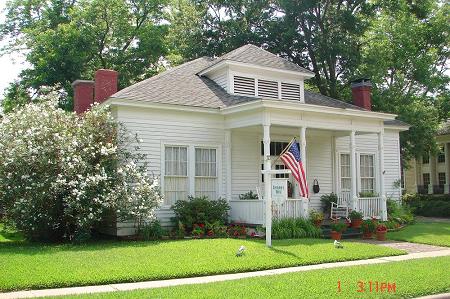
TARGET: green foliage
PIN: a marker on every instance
(326, 201)
(399, 212)
(428, 205)
(354, 215)
(338, 227)
(62, 175)
(35, 266)
(315, 216)
(409, 73)
(69, 40)
(368, 226)
(152, 231)
(198, 210)
(368, 194)
(248, 196)
(294, 228)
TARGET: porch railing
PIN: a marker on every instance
(247, 211)
(253, 211)
(370, 206)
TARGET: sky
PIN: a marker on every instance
(10, 65)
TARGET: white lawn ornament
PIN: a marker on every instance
(240, 251)
(338, 244)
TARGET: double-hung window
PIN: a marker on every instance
(206, 172)
(176, 174)
(346, 180)
(367, 173)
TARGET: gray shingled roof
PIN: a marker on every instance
(182, 86)
(395, 123)
(255, 55)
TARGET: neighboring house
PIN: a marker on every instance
(205, 123)
(430, 174)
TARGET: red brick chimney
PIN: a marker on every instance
(83, 96)
(105, 84)
(361, 90)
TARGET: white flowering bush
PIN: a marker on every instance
(62, 175)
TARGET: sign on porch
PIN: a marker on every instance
(279, 189)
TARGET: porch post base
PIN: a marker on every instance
(430, 189)
(447, 189)
(384, 216)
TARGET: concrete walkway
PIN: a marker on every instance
(406, 246)
(215, 278)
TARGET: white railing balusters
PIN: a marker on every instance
(370, 206)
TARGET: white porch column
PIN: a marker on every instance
(447, 168)
(267, 182)
(433, 174)
(228, 162)
(305, 201)
(381, 174)
(354, 192)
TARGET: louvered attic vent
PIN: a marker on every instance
(290, 91)
(244, 86)
(268, 89)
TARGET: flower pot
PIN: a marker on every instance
(356, 223)
(381, 235)
(367, 235)
(336, 235)
(318, 223)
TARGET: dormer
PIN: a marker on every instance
(252, 71)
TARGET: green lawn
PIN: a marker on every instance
(433, 233)
(48, 266)
(412, 278)
(8, 234)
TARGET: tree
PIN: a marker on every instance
(406, 53)
(62, 175)
(69, 40)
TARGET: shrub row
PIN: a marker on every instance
(428, 205)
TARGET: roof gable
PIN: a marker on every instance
(253, 55)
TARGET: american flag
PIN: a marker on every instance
(292, 159)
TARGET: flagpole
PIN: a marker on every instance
(284, 150)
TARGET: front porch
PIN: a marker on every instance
(345, 156)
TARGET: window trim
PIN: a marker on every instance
(191, 165)
(358, 170)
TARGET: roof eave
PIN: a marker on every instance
(263, 103)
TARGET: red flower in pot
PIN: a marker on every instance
(381, 232)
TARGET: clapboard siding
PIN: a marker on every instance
(220, 78)
(156, 128)
(368, 143)
(245, 165)
(319, 162)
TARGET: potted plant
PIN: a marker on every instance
(356, 218)
(316, 217)
(381, 232)
(337, 229)
(368, 228)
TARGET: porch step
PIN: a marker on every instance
(349, 233)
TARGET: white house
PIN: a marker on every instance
(209, 124)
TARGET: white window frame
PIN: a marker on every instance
(375, 180)
(216, 177)
(191, 165)
(358, 170)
